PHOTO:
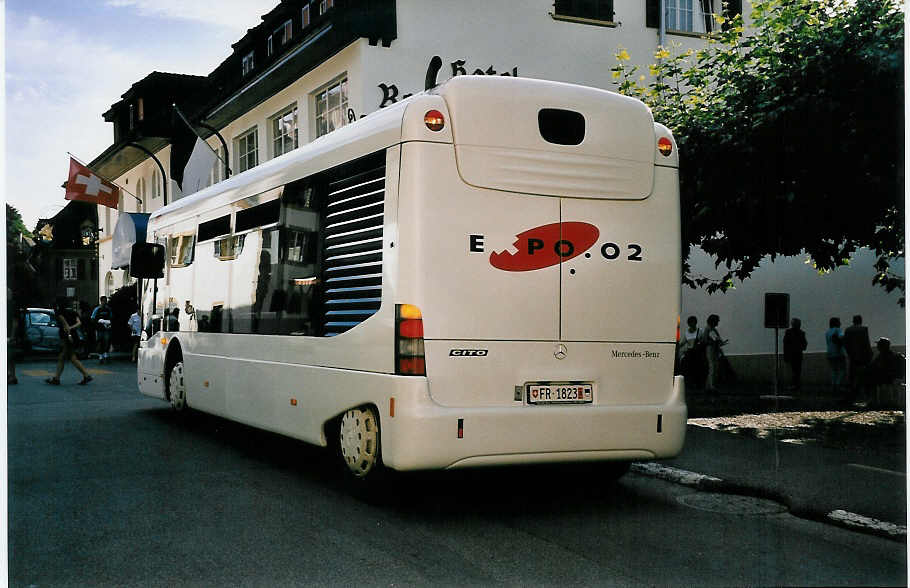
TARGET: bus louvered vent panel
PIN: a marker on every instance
(353, 250)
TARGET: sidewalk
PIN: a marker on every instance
(803, 452)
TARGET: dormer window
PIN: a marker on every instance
(325, 6)
(305, 16)
(247, 63)
(269, 46)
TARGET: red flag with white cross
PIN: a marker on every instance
(86, 186)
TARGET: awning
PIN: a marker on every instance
(130, 229)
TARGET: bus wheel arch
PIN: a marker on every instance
(174, 383)
(359, 440)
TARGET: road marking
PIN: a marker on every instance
(672, 474)
(43, 373)
(854, 520)
(874, 469)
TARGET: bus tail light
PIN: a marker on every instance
(665, 146)
(409, 351)
(678, 323)
(434, 120)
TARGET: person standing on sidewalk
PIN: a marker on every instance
(68, 321)
(102, 316)
(859, 354)
(691, 354)
(794, 345)
(135, 324)
(713, 343)
(837, 360)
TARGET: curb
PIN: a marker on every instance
(840, 518)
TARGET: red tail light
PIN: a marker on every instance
(409, 352)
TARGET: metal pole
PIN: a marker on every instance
(776, 331)
(662, 24)
(160, 167)
(227, 168)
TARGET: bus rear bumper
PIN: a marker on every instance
(425, 435)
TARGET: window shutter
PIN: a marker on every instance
(652, 13)
(80, 269)
(59, 268)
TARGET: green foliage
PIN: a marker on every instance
(20, 278)
(14, 227)
(790, 135)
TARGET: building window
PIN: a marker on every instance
(247, 148)
(70, 269)
(283, 34)
(269, 46)
(156, 184)
(247, 63)
(218, 174)
(600, 10)
(688, 16)
(331, 105)
(325, 6)
(140, 192)
(108, 284)
(284, 131)
(140, 106)
(305, 16)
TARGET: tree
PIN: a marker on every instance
(791, 136)
(20, 275)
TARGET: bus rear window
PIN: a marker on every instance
(562, 127)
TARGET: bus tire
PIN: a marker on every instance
(176, 388)
(359, 442)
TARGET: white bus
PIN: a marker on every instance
(485, 273)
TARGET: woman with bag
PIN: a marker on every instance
(68, 321)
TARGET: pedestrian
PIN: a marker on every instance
(794, 345)
(13, 322)
(713, 353)
(190, 314)
(834, 350)
(690, 354)
(101, 317)
(68, 321)
(859, 356)
(172, 319)
(135, 324)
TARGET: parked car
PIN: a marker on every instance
(40, 330)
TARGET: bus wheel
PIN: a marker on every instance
(359, 441)
(177, 387)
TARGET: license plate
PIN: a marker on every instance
(560, 393)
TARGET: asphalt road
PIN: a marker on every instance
(107, 487)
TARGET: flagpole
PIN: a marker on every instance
(104, 178)
(187, 123)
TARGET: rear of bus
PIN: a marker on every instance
(539, 246)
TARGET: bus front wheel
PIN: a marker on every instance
(177, 387)
(359, 441)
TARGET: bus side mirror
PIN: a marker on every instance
(147, 260)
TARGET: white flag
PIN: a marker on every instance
(197, 173)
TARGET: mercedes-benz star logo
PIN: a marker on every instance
(560, 352)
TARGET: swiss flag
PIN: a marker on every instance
(83, 184)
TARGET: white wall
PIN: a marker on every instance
(814, 299)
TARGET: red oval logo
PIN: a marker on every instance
(546, 245)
